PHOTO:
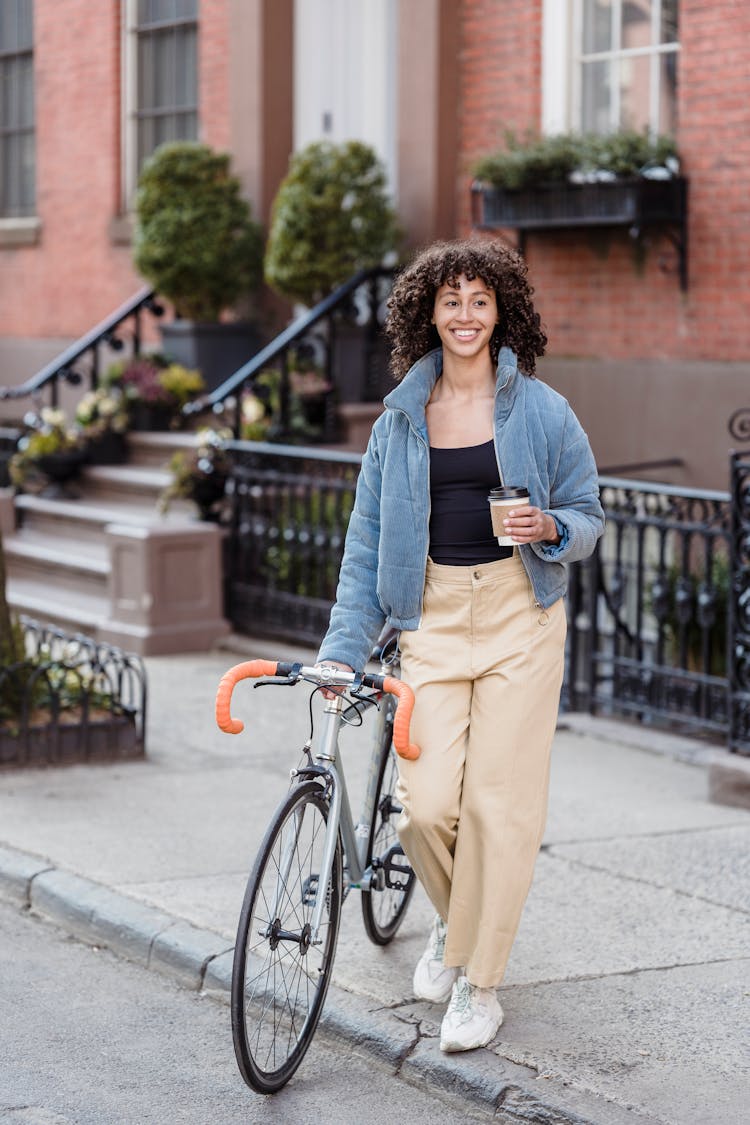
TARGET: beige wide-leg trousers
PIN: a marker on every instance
(486, 666)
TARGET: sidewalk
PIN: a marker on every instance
(627, 994)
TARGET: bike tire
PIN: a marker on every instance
(383, 910)
(279, 979)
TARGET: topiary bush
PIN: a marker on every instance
(331, 217)
(195, 240)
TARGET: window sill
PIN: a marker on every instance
(20, 232)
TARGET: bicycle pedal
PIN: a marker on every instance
(396, 868)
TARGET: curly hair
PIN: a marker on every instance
(410, 306)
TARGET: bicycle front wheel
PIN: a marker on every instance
(280, 975)
(384, 905)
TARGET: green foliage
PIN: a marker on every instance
(207, 461)
(331, 217)
(47, 433)
(195, 240)
(538, 160)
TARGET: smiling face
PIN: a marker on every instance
(465, 315)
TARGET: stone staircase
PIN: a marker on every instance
(110, 565)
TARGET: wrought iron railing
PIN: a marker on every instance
(650, 613)
(340, 338)
(290, 510)
(82, 360)
(739, 606)
(649, 610)
(70, 698)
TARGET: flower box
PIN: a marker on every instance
(633, 202)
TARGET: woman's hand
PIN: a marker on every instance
(331, 693)
(531, 525)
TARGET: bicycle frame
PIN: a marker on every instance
(340, 820)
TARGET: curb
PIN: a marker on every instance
(201, 960)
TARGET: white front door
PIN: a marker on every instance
(345, 75)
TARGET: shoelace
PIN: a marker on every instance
(461, 998)
(439, 943)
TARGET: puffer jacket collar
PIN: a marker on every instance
(413, 392)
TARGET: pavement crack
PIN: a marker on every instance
(574, 861)
(408, 1049)
(581, 978)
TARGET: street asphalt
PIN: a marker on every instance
(627, 998)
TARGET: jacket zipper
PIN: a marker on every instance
(537, 603)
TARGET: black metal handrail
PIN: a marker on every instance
(62, 366)
(277, 351)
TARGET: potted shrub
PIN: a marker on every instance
(330, 218)
(49, 456)
(197, 244)
(200, 475)
(575, 180)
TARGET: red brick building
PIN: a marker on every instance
(653, 370)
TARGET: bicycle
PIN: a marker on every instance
(311, 856)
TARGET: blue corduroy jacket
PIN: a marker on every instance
(539, 443)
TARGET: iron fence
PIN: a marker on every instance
(290, 508)
(649, 611)
(69, 698)
(659, 616)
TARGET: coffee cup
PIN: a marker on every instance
(502, 501)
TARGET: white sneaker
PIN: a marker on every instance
(432, 979)
(473, 1017)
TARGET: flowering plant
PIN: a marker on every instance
(102, 411)
(48, 437)
(201, 474)
(154, 381)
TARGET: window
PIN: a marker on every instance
(161, 78)
(625, 75)
(17, 145)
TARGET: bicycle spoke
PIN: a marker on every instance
(281, 976)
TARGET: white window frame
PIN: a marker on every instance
(27, 213)
(129, 85)
(562, 59)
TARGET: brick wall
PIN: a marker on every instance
(78, 272)
(598, 295)
(74, 275)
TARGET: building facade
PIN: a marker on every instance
(654, 369)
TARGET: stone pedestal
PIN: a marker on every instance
(165, 588)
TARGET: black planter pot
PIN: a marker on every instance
(151, 417)
(109, 448)
(207, 492)
(60, 469)
(216, 350)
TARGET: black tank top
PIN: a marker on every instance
(460, 524)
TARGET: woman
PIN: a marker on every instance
(482, 625)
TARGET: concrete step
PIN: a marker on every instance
(138, 484)
(64, 572)
(356, 420)
(154, 450)
(87, 612)
(84, 520)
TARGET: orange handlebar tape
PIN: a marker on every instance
(244, 671)
(402, 718)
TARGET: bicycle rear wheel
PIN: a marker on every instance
(384, 905)
(279, 977)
